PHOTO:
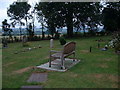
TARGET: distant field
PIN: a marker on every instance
(98, 69)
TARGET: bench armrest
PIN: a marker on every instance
(55, 51)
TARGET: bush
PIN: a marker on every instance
(65, 35)
(26, 44)
(115, 42)
(35, 38)
(117, 47)
(62, 40)
(91, 33)
(102, 33)
(16, 39)
(78, 34)
(57, 35)
(4, 42)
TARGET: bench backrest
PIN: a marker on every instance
(69, 47)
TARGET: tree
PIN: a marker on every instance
(111, 16)
(33, 19)
(30, 31)
(18, 11)
(6, 28)
(47, 13)
(7, 31)
(26, 17)
(62, 14)
(41, 20)
(5, 25)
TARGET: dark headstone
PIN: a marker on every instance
(16, 52)
(98, 45)
(90, 49)
(38, 77)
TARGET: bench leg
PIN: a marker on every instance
(73, 56)
(50, 62)
(62, 63)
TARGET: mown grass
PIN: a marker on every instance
(98, 69)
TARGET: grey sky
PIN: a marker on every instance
(4, 4)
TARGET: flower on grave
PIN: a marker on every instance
(111, 44)
(106, 45)
(29, 48)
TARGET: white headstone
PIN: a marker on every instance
(51, 43)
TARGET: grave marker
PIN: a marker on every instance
(90, 49)
(51, 43)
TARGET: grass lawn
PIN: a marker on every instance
(98, 69)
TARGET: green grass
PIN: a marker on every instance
(98, 69)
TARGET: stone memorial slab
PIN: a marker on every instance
(56, 65)
(38, 77)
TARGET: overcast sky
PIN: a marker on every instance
(4, 4)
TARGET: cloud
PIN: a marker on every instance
(3, 15)
(4, 4)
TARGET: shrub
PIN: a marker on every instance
(57, 35)
(115, 42)
(16, 39)
(91, 33)
(62, 40)
(117, 47)
(102, 33)
(65, 35)
(26, 44)
(48, 37)
(4, 42)
(34, 38)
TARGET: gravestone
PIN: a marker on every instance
(24, 41)
(98, 45)
(51, 43)
(38, 77)
(90, 48)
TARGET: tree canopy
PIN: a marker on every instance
(17, 11)
(60, 14)
(68, 14)
(111, 16)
